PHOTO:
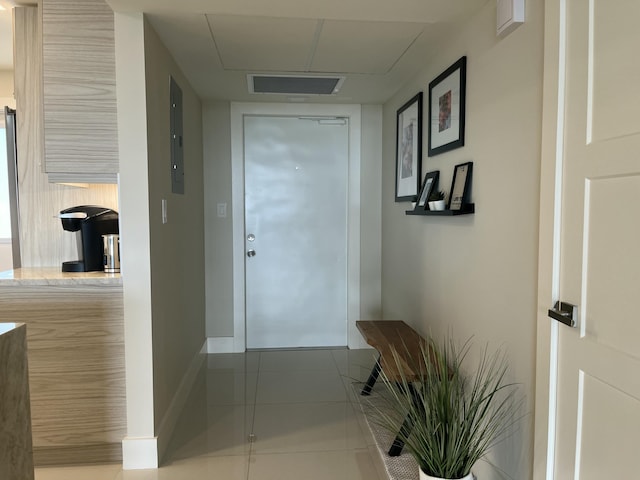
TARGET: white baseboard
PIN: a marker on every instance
(357, 342)
(139, 453)
(145, 452)
(179, 400)
(222, 345)
(229, 344)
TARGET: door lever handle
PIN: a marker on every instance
(564, 313)
(251, 253)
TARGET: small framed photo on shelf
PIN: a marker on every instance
(429, 184)
(409, 150)
(446, 108)
(460, 186)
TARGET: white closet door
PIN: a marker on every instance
(598, 379)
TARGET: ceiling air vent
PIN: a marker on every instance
(294, 85)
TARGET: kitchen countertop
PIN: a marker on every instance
(54, 276)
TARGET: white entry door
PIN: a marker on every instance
(296, 231)
(598, 377)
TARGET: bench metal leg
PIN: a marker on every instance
(398, 443)
(405, 429)
(373, 376)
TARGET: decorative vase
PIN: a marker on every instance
(424, 476)
(438, 205)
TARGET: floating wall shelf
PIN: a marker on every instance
(467, 209)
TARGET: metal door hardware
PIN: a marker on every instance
(564, 313)
(251, 253)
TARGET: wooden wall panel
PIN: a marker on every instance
(75, 338)
(80, 113)
(16, 452)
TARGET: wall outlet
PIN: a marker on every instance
(222, 210)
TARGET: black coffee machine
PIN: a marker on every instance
(90, 222)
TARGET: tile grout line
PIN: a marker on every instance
(251, 438)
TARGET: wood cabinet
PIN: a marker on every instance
(79, 91)
(75, 340)
(39, 199)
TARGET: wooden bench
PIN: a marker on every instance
(387, 336)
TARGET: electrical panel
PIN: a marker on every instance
(177, 154)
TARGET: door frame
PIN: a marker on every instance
(238, 111)
(552, 162)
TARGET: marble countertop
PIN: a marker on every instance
(54, 276)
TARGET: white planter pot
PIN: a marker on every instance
(438, 205)
(431, 205)
(424, 476)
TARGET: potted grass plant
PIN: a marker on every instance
(455, 417)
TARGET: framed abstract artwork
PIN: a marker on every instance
(409, 150)
(446, 108)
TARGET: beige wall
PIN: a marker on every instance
(6, 91)
(140, 446)
(6, 88)
(177, 247)
(219, 231)
(370, 216)
(477, 274)
(162, 264)
(6, 257)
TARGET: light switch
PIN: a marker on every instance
(164, 211)
(222, 210)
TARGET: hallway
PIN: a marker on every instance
(284, 414)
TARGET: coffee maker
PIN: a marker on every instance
(90, 223)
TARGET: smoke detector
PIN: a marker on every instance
(294, 84)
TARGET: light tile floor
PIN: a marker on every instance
(285, 414)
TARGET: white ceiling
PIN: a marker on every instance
(376, 44)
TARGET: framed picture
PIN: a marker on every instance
(409, 150)
(429, 185)
(446, 108)
(460, 186)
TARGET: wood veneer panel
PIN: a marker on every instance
(90, 454)
(75, 338)
(16, 455)
(80, 116)
(42, 240)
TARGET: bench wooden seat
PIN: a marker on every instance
(387, 336)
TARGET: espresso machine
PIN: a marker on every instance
(90, 223)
